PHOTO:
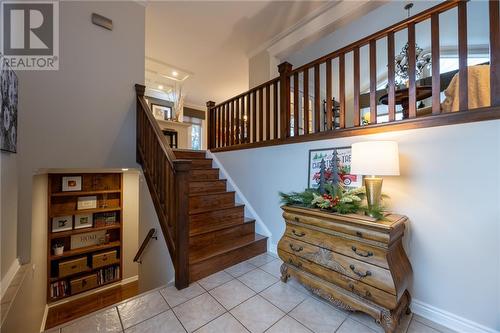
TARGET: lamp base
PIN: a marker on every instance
(373, 187)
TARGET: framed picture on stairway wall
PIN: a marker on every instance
(343, 167)
(161, 112)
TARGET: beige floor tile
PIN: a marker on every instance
(318, 316)
(294, 283)
(289, 325)
(367, 321)
(164, 322)
(258, 280)
(215, 280)
(198, 311)
(175, 297)
(232, 293)
(352, 326)
(432, 324)
(240, 269)
(224, 324)
(418, 327)
(141, 308)
(54, 330)
(105, 321)
(273, 267)
(261, 259)
(283, 296)
(257, 314)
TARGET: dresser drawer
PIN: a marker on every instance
(356, 230)
(349, 247)
(84, 283)
(70, 267)
(104, 259)
(354, 286)
(370, 274)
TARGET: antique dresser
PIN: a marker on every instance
(353, 261)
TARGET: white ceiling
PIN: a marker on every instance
(212, 40)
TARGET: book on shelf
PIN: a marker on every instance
(105, 219)
(108, 274)
(59, 289)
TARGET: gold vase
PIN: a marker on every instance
(373, 187)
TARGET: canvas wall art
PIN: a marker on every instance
(8, 112)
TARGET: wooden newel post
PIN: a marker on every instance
(210, 125)
(182, 169)
(284, 69)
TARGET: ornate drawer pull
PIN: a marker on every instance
(290, 261)
(362, 275)
(296, 249)
(359, 234)
(298, 234)
(297, 219)
(361, 254)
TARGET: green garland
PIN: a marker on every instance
(336, 199)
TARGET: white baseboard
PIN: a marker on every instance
(448, 319)
(7, 279)
(44, 319)
(248, 207)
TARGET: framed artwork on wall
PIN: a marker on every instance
(343, 165)
(8, 110)
(161, 112)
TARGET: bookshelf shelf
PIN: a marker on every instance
(108, 189)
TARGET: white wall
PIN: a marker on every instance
(8, 216)
(449, 188)
(156, 268)
(82, 116)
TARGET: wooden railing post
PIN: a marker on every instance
(182, 169)
(284, 69)
(210, 125)
(139, 92)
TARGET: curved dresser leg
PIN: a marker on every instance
(284, 273)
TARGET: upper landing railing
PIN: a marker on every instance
(342, 93)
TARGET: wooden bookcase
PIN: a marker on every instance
(92, 255)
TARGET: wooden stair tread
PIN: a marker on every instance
(210, 229)
(211, 193)
(223, 247)
(202, 211)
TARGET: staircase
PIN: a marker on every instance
(219, 234)
(204, 228)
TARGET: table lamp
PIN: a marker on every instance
(372, 159)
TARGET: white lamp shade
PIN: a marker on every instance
(378, 158)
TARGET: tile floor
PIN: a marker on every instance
(248, 297)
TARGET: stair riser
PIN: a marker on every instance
(188, 155)
(207, 186)
(207, 174)
(207, 267)
(211, 201)
(215, 220)
(201, 164)
(219, 236)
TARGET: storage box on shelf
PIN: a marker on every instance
(92, 250)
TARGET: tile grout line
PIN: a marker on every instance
(120, 319)
(172, 308)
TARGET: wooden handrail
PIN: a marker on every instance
(144, 244)
(168, 184)
(311, 122)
